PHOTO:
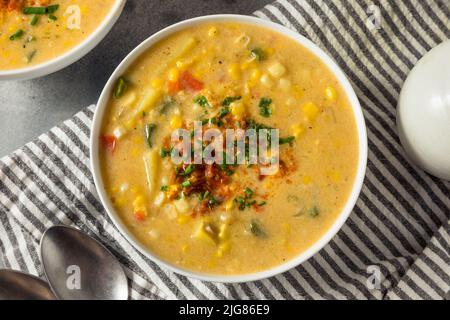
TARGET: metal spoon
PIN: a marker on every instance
(15, 285)
(80, 268)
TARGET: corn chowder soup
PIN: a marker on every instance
(228, 218)
(34, 31)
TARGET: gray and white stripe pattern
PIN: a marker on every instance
(400, 225)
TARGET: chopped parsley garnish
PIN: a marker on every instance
(149, 129)
(249, 192)
(165, 152)
(228, 100)
(41, 10)
(34, 20)
(121, 86)
(259, 54)
(202, 101)
(186, 184)
(224, 111)
(287, 140)
(189, 169)
(264, 107)
(164, 188)
(314, 211)
(257, 230)
(17, 35)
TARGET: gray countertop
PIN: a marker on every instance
(29, 108)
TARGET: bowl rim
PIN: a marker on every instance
(334, 68)
(72, 55)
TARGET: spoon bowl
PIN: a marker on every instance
(15, 285)
(80, 268)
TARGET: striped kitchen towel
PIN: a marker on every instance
(396, 243)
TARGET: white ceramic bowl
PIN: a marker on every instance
(70, 56)
(143, 47)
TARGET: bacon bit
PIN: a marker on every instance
(188, 81)
(109, 142)
(140, 215)
(19, 4)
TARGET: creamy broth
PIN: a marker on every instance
(28, 38)
(237, 221)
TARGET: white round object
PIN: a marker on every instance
(423, 112)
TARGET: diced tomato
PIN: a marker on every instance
(140, 215)
(173, 87)
(109, 142)
(188, 81)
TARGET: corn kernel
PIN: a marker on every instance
(234, 71)
(255, 75)
(156, 83)
(223, 231)
(306, 179)
(237, 109)
(183, 219)
(174, 74)
(223, 248)
(330, 94)
(297, 130)
(311, 111)
(176, 122)
(229, 205)
(335, 176)
(139, 201)
(184, 248)
(212, 32)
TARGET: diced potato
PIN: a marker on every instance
(159, 199)
(266, 81)
(152, 164)
(311, 111)
(284, 84)
(170, 211)
(182, 205)
(277, 70)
